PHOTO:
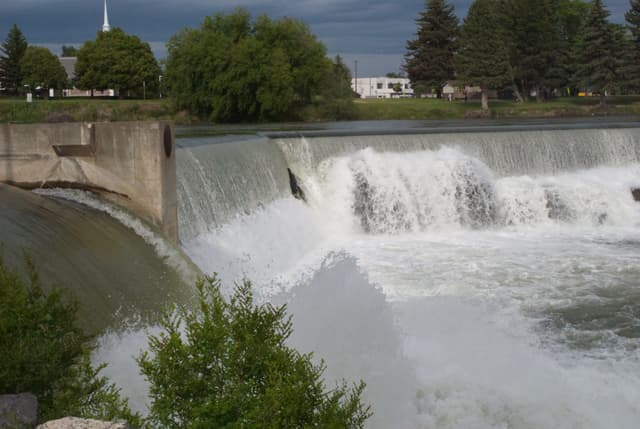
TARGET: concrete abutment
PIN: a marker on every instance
(131, 164)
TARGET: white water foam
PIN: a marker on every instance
(524, 319)
(455, 361)
(448, 190)
(275, 247)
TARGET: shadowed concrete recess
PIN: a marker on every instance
(131, 164)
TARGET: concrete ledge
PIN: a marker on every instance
(129, 163)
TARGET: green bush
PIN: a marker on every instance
(227, 365)
(43, 351)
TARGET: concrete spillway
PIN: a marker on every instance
(132, 164)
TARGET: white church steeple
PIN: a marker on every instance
(106, 27)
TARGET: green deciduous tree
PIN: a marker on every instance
(632, 70)
(227, 365)
(429, 60)
(235, 69)
(335, 100)
(11, 53)
(41, 68)
(483, 57)
(599, 63)
(44, 351)
(116, 60)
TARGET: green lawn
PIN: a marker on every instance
(416, 108)
(64, 110)
(68, 109)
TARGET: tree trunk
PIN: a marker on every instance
(517, 93)
(603, 99)
(539, 97)
(485, 99)
(525, 90)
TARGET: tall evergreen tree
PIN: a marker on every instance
(598, 61)
(11, 53)
(533, 35)
(483, 58)
(572, 15)
(430, 56)
(632, 71)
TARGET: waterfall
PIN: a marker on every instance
(507, 153)
(218, 181)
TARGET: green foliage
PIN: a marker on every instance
(430, 56)
(69, 51)
(227, 365)
(599, 61)
(116, 60)
(632, 69)
(43, 351)
(483, 57)
(572, 15)
(11, 53)
(233, 69)
(534, 39)
(335, 101)
(88, 110)
(41, 68)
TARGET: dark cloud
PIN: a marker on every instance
(352, 28)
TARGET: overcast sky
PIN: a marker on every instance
(374, 32)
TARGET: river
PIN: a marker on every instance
(484, 277)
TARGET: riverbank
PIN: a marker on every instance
(93, 110)
(441, 109)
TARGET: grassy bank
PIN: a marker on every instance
(91, 110)
(70, 110)
(441, 109)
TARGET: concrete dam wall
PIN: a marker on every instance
(129, 163)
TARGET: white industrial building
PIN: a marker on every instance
(382, 87)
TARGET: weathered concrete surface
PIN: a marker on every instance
(129, 163)
(18, 411)
(76, 423)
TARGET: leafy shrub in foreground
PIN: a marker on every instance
(227, 365)
(43, 351)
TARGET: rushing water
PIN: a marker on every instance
(473, 280)
(96, 251)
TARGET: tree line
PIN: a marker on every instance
(533, 48)
(237, 68)
(232, 68)
(114, 60)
